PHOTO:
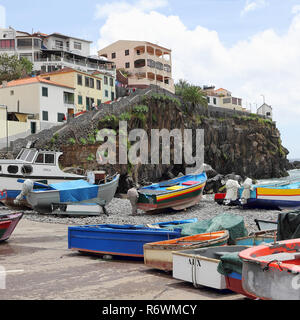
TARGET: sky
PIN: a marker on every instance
(250, 47)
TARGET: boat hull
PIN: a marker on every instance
(271, 272)
(199, 266)
(235, 284)
(181, 197)
(8, 224)
(42, 201)
(274, 198)
(116, 241)
(159, 255)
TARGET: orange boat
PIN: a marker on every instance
(158, 255)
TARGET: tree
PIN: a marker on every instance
(12, 68)
(194, 95)
(180, 86)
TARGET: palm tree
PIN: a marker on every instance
(195, 96)
(180, 86)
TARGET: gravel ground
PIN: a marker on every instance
(120, 213)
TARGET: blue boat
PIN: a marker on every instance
(121, 240)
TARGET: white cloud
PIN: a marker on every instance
(266, 64)
(2, 17)
(252, 5)
(107, 9)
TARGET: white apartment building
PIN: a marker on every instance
(222, 98)
(52, 52)
(43, 103)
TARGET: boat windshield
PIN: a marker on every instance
(26, 155)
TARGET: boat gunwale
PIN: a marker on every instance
(198, 244)
(43, 191)
(249, 255)
(200, 257)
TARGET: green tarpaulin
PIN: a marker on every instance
(226, 221)
(288, 225)
(230, 262)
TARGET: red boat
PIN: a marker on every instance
(271, 272)
(8, 223)
(219, 198)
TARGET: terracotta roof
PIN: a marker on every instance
(31, 80)
(68, 69)
(221, 89)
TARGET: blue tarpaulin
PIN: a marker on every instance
(77, 190)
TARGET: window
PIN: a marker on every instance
(59, 44)
(40, 158)
(98, 83)
(127, 65)
(215, 100)
(45, 115)
(113, 55)
(79, 79)
(111, 82)
(208, 99)
(12, 92)
(12, 169)
(77, 46)
(37, 43)
(227, 100)
(24, 42)
(87, 82)
(44, 92)
(106, 93)
(105, 80)
(80, 100)
(126, 52)
(98, 102)
(112, 96)
(92, 83)
(49, 158)
(7, 44)
(60, 117)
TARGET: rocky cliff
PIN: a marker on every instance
(245, 144)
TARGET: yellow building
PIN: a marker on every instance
(90, 88)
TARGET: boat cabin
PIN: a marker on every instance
(31, 161)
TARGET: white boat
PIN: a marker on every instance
(199, 266)
(33, 164)
(48, 198)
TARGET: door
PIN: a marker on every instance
(33, 127)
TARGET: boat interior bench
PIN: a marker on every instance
(282, 256)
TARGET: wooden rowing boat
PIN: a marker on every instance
(178, 194)
(121, 240)
(199, 266)
(159, 254)
(8, 223)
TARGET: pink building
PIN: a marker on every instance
(143, 63)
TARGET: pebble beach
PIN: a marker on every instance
(119, 211)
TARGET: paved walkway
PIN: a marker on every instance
(39, 266)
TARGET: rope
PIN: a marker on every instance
(267, 267)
